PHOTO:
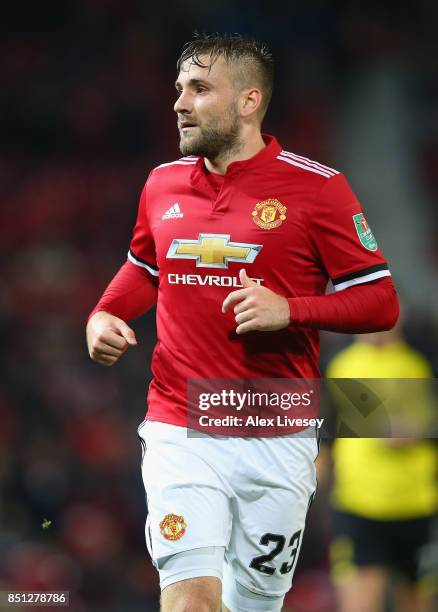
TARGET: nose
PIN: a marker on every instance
(182, 105)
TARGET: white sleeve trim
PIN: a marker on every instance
(135, 261)
(362, 279)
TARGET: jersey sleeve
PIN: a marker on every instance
(342, 238)
(142, 248)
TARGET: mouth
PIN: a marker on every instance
(186, 125)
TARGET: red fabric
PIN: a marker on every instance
(333, 236)
(360, 309)
(129, 295)
(291, 223)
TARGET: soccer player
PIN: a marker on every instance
(235, 242)
(385, 493)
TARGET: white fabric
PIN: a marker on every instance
(192, 564)
(135, 261)
(362, 279)
(237, 598)
(230, 492)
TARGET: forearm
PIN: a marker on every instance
(365, 308)
(131, 293)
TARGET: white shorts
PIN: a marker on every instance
(248, 495)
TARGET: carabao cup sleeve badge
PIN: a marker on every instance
(269, 213)
(173, 527)
(364, 232)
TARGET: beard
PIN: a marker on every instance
(215, 141)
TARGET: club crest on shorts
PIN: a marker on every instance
(269, 213)
(364, 232)
(173, 527)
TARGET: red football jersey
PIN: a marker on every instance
(292, 223)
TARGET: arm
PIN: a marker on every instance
(362, 308)
(130, 294)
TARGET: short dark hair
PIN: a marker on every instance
(252, 57)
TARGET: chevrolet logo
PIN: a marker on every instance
(213, 250)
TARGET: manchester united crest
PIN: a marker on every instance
(173, 527)
(269, 214)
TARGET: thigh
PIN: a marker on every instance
(188, 504)
(273, 492)
(203, 594)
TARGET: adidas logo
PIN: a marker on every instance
(174, 212)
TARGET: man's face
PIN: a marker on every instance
(208, 118)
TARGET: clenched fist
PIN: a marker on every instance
(108, 337)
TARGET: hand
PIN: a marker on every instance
(258, 308)
(108, 337)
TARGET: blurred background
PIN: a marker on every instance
(85, 112)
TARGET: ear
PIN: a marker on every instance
(251, 100)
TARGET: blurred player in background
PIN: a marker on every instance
(385, 491)
(226, 516)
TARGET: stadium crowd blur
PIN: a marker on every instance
(86, 111)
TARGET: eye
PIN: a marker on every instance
(201, 89)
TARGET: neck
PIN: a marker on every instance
(250, 145)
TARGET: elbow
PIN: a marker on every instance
(390, 312)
